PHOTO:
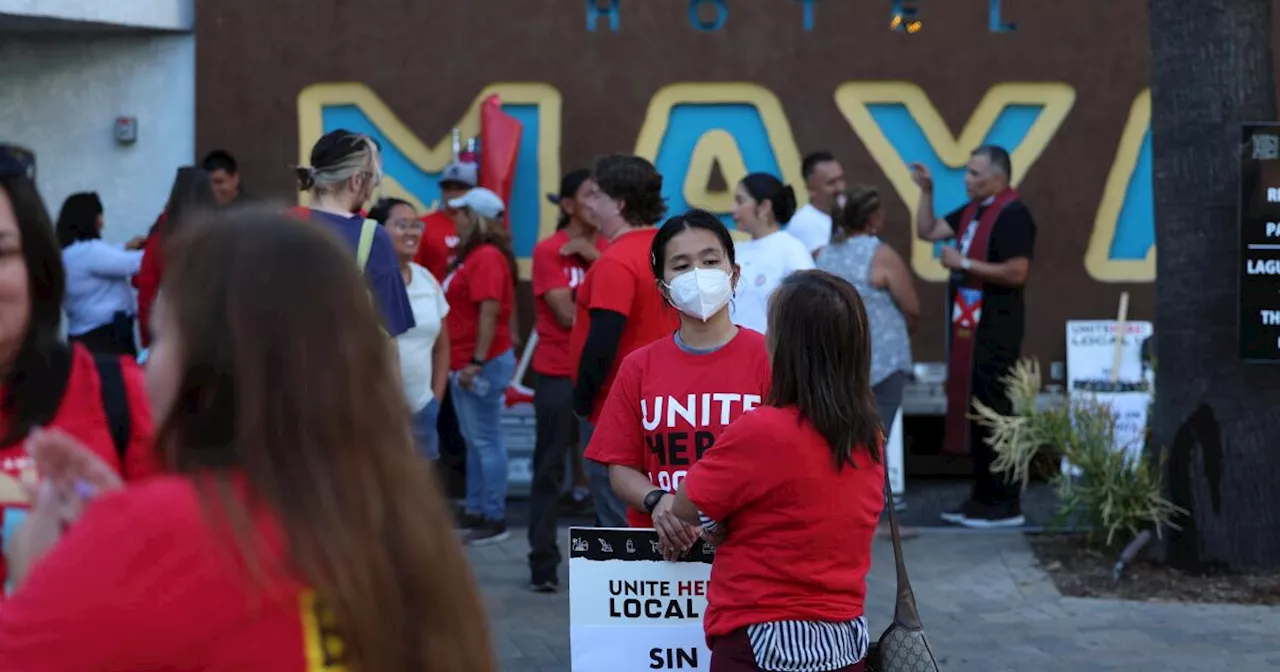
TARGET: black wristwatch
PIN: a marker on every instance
(477, 361)
(651, 500)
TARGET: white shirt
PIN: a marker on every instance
(98, 286)
(765, 262)
(811, 226)
(429, 309)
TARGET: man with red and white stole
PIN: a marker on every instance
(991, 239)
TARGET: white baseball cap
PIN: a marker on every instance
(481, 201)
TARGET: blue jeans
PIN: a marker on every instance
(610, 511)
(425, 436)
(480, 419)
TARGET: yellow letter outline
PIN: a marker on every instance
(313, 99)
(781, 139)
(713, 144)
(1097, 260)
(852, 98)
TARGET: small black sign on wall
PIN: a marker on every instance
(1259, 293)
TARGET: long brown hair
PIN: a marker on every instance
(287, 383)
(487, 231)
(189, 199)
(820, 341)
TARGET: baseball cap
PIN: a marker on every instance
(15, 160)
(569, 185)
(463, 173)
(481, 201)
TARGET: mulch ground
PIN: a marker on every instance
(1080, 571)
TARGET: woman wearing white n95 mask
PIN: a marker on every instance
(673, 397)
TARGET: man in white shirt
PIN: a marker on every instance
(824, 177)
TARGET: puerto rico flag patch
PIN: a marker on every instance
(967, 310)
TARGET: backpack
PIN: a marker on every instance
(367, 232)
(115, 403)
(365, 247)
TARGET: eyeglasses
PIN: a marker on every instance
(411, 225)
(15, 160)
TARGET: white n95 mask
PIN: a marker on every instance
(701, 292)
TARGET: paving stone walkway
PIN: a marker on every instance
(985, 604)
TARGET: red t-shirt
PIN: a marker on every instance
(621, 280)
(799, 544)
(552, 270)
(147, 281)
(439, 244)
(81, 415)
(668, 406)
(483, 276)
(120, 589)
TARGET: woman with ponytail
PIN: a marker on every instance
(884, 282)
(764, 204)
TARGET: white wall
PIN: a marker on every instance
(60, 95)
(156, 14)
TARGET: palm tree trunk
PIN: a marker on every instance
(1218, 416)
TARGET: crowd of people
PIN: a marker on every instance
(277, 457)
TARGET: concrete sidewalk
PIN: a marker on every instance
(985, 604)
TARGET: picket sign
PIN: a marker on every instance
(630, 610)
(517, 393)
(1104, 364)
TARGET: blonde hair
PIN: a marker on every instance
(336, 159)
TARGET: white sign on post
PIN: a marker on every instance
(1091, 355)
(630, 610)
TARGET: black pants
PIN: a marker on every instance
(112, 338)
(453, 449)
(989, 387)
(553, 411)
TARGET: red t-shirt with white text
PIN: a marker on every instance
(799, 531)
(552, 270)
(80, 414)
(667, 407)
(621, 280)
(439, 244)
(120, 591)
(484, 275)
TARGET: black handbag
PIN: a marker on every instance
(902, 647)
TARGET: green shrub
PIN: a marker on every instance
(1113, 492)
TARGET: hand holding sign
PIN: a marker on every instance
(675, 536)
